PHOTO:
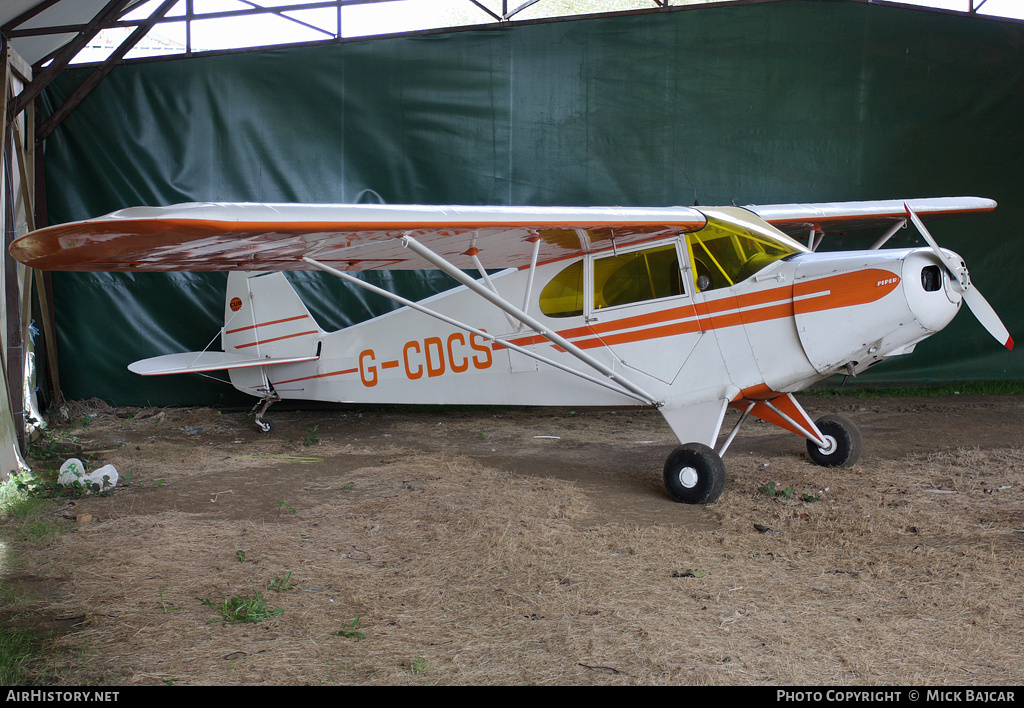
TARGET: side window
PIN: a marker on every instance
(563, 296)
(636, 277)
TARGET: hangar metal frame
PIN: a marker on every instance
(35, 21)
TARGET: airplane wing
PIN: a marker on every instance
(352, 237)
(841, 217)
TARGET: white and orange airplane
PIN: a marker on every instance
(686, 309)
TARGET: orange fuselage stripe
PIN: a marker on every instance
(833, 292)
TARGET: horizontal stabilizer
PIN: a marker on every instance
(198, 362)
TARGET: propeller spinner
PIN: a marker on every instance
(962, 281)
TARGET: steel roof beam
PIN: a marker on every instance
(86, 87)
(45, 75)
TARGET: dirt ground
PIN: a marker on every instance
(536, 546)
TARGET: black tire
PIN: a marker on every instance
(264, 426)
(845, 436)
(694, 474)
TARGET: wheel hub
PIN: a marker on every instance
(688, 477)
(830, 445)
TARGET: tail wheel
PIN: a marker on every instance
(264, 426)
(694, 474)
(843, 442)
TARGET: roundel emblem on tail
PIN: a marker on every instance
(235, 304)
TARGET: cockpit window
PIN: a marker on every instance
(637, 276)
(563, 296)
(733, 247)
(649, 274)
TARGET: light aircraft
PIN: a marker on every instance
(689, 310)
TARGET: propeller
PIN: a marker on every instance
(962, 282)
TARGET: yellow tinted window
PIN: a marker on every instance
(636, 277)
(563, 296)
(725, 253)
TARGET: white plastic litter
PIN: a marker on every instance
(72, 473)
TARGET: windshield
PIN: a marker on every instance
(733, 246)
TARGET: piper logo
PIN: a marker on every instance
(236, 304)
(887, 281)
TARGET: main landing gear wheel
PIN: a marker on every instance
(694, 474)
(844, 442)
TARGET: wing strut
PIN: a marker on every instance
(472, 330)
(490, 285)
(530, 322)
(888, 234)
(529, 279)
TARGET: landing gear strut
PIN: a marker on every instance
(264, 426)
(695, 474)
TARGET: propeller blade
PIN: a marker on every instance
(988, 317)
(976, 302)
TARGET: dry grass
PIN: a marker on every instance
(905, 572)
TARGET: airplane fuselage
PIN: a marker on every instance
(799, 319)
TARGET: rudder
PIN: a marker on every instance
(264, 318)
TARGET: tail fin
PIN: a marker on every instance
(264, 318)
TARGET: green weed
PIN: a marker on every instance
(239, 609)
(419, 666)
(28, 521)
(42, 485)
(27, 518)
(18, 650)
(311, 437)
(350, 631)
(168, 607)
(54, 444)
(830, 389)
(281, 584)
(772, 491)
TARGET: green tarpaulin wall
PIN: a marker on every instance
(751, 103)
